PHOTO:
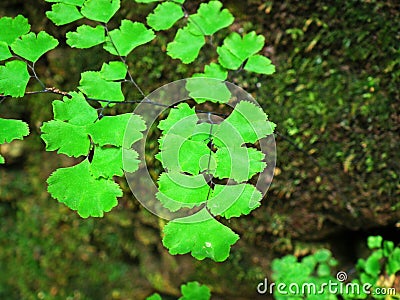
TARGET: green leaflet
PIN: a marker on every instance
(238, 163)
(208, 89)
(54, 133)
(236, 50)
(209, 18)
(246, 46)
(205, 238)
(180, 121)
(213, 70)
(101, 85)
(260, 64)
(14, 78)
(13, 28)
(178, 190)
(186, 45)
(62, 14)
(111, 130)
(31, 47)
(164, 16)
(2, 161)
(234, 200)
(12, 130)
(248, 120)
(71, 117)
(100, 10)
(184, 155)
(190, 291)
(86, 36)
(80, 191)
(114, 70)
(155, 296)
(93, 85)
(75, 110)
(71, 2)
(107, 162)
(129, 36)
(75, 118)
(146, 1)
(194, 290)
(4, 51)
(227, 59)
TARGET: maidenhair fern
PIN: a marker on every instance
(208, 164)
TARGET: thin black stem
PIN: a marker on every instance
(210, 154)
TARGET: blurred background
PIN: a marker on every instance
(335, 98)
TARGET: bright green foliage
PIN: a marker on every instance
(188, 147)
(86, 36)
(146, 1)
(4, 51)
(314, 270)
(246, 198)
(213, 70)
(208, 89)
(129, 36)
(93, 85)
(75, 110)
(177, 190)
(107, 162)
(14, 78)
(61, 14)
(173, 124)
(13, 28)
(81, 122)
(209, 18)
(260, 64)
(164, 16)
(100, 10)
(191, 150)
(227, 59)
(249, 121)
(155, 296)
(12, 130)
(383, 261)
(190, 291)
(236, 49)
(244, 47)
(54, 133)
(374, 242)
(70, 2)
(77, 120)
(80, 191)
(194, 290)
(181, 154)
(110, 130)
(31, 47)
(2, 161)
(114, 70)
(186, 45)
(239, 163)
(201, 235)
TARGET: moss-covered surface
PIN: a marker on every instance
(335, 98)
